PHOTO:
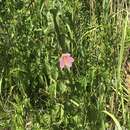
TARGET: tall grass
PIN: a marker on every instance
(34, 93)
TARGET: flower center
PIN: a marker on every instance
(65, 59)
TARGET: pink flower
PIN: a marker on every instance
(66, 61)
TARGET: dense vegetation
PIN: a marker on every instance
(35, 94)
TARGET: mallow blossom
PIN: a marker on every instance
(66, 61)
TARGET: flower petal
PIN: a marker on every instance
(70, 59)
(65, 54)
(69, 65)
(62, 65)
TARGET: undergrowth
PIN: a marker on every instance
(35, 94)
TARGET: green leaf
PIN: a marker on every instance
(114, 119)
(0, 84)
(52, 90)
